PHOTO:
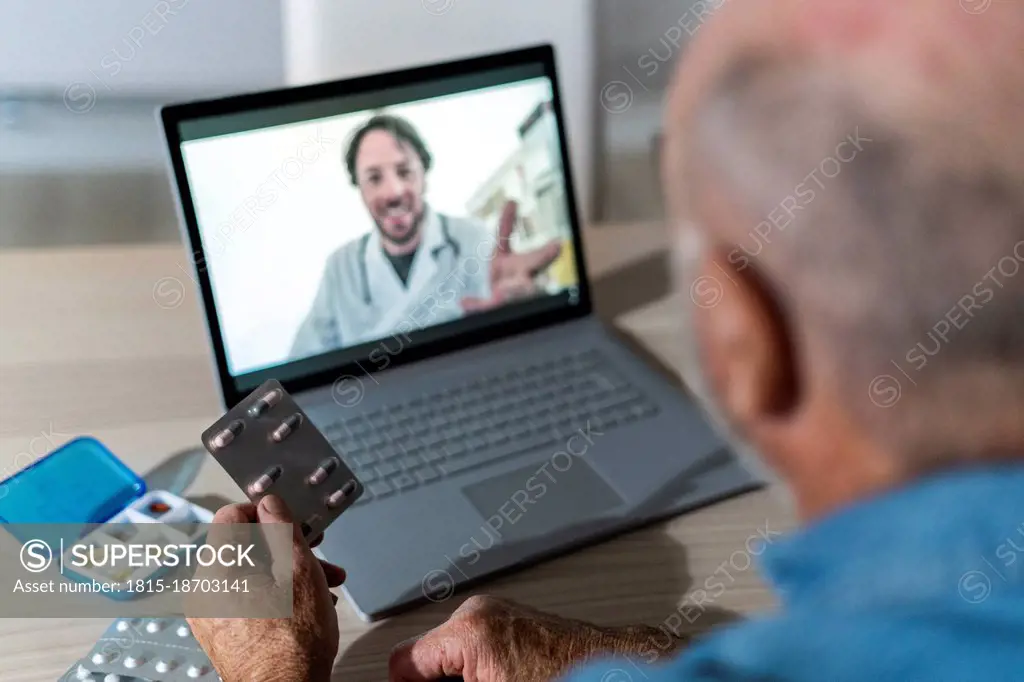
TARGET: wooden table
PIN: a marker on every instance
(109, 341)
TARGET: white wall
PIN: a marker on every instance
(327, 39)
(79, 81)
(131, 47)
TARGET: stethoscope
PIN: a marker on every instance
(364, 275)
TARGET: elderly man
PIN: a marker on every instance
(847, 175)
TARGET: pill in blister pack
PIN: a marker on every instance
(227, 435)
(321, 473)
(286, 427)
(265, 402)
(262, 484)
(340, 496)
(267, 444)
(154, 649)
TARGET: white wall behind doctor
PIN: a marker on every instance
(325, 39)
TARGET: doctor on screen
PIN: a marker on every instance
(418, 267)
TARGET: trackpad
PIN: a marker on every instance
(535, 500)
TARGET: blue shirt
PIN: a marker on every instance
(923, 584)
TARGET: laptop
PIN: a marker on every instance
(403, 252)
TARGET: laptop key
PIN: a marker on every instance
(494, 437)
(452, 431)
(426, 474)
(454, 448)
(536, 441)
(567, 427)
(413, 446)
(346, 444)
(479, 427)
(509, 449)
(519, 429)
(402, 481)
(472, 460)
(386, 469)
(433, 455)
(364, 459)
(459, 465)
(406, 442)
(380, 488)
(409, 462)
(431, 438)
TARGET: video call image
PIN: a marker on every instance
(339, 231)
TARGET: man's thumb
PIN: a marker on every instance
(287, 557)
(272, 509)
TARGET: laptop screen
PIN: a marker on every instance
(348, 228)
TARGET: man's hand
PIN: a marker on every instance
(495, 640)
(512, 273)
(302, 647)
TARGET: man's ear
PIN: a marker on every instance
(746, 342)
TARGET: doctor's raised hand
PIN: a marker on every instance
(512, 274)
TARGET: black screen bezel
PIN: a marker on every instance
(173, 115)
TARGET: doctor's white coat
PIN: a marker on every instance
(362, 299)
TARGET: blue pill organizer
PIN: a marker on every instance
(100, 503)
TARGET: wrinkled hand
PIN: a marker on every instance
(512, 274)
(495, 640)
(302, 647)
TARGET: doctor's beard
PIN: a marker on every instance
(408, 237)
(687, 253)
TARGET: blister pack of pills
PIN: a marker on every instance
(267, 444)
(154, 649)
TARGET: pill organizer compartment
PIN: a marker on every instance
(82, 485)
(160, 506)
(164, 507)
(122, 528)
(100, 544)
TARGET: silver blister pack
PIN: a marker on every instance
(155, 649)
(267, 444)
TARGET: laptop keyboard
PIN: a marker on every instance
(492, 418)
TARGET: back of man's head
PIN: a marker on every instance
(871, 156)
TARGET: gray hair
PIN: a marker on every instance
(894, 242)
